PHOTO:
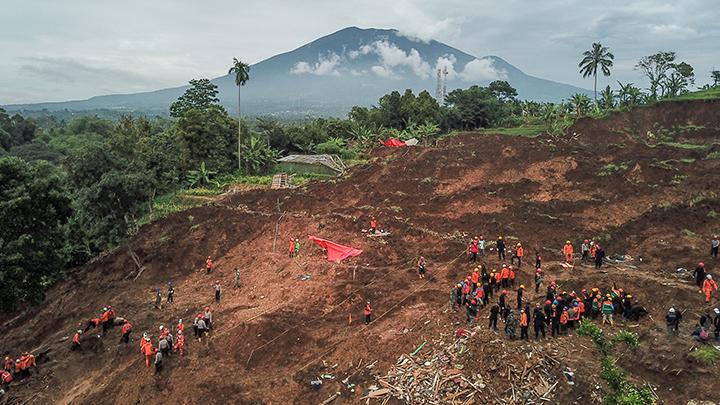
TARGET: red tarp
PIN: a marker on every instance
(393, 143)
(336, 252)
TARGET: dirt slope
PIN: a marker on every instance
(275, 333)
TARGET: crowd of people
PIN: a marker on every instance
(557, 310)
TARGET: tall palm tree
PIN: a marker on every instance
(241, 70)
(598, 57)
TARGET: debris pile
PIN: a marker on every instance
(438, 377)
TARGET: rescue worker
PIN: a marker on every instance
(714, 246)
(180, 326)
(520, 291)
(501, 300)
(538, 280)
(170, 293)
(146, 348)
(518, 254)
(716, 323)
(367, 311)
(373, 225)
(607, 310)
(297, 247)
(5, 379)
(126, 329)
(105, 319)
(158, 361)
(421, 267)
(158, 299)
(538, 260)
(523, 325)
(672, 321)
(208, 318)
(75, 341)
(512, 276)
(291, 248)
(218, 291)
(494, 311)
(500, 245)
(180, 343)
(511, 324)
(475, 276)
(8, 364)
(505, 276)
(473, 249)
(539, 322)
(208, 264)
(201, 329)
(454, 301)
(585, 250)
(568, 251)
(555, 321)
(599, 256)
(593, 250)
(709, 286)
(236, 283)
(164, 346)
(471, 313)
(92, 323)
(699, 274)
(564, 316)
(481, 246)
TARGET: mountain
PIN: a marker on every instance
(352, 66)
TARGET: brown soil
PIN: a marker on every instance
(279, 332)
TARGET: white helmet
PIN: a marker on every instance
(709, 277)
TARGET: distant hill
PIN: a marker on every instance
(352, 66)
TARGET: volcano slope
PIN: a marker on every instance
(638, 182)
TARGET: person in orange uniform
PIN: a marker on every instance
(8, 365)
(291, 248)
(505, 276)
(709, 286)
(568, 251)
(5, 379)
(523, 325)
(519, 252)
(146, 348)
(76, 341)
(126, 329)
(180, 326)
(209, 264)
(105, 319)
(367, 311)
(180, 343)
(475, 276)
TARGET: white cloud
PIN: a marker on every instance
(429, 30)
(325, 66)
(383, 71)
(391, 56)
(478, 70)
(672, 31)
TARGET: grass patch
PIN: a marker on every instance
(706, 355)
(688, 232)
(715, 155)
(678, 179)
(529, 131)
(709, 94)
(612, 168)
(712, 214)
(685, 146)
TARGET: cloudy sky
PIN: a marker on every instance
(72, 49)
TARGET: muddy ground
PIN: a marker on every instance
(279, 331)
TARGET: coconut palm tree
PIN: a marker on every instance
(241, 70)
(598, 57)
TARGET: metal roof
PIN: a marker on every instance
(331, 161)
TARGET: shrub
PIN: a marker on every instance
(629, 338)
(706, 355)
(613, 168)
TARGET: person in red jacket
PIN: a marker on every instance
(209, 264)
(709, 286)
(367, 311)
(511, 276)
(76, 341)
(474, 249)
(92, 323)
(180, 326)
(373, 225)
(421, 267)
(475, 276)
(126, 329)
(519, 253)
(5, 379)
(568, 252)
(180, 343)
